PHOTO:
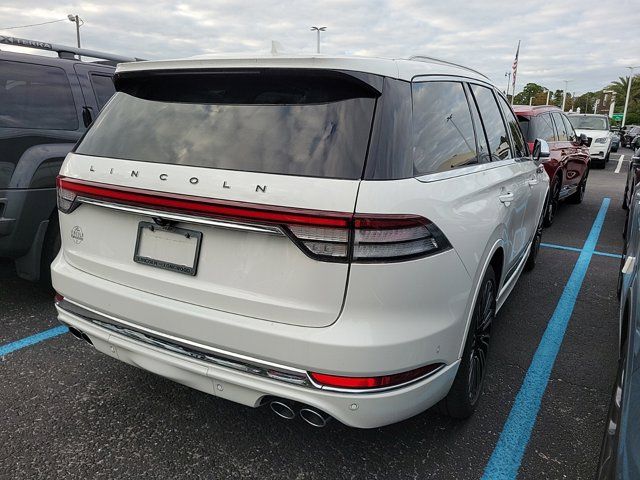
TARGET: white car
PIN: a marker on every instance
(597, 128)
(329, 236)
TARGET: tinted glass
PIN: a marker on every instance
(484, 155)
(521, 149)
(525, 123)
(280, 124)
(543, 128)
(103, 88)
(571, 133)
(493, 123)
(560, 128)
(443, 132)
(35, 96)
(588, 122)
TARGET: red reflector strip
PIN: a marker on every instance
(206, 206)
(372, 382)
(57, 298)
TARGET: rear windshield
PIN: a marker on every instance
(304, 123)
(581, 122)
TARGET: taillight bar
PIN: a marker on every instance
(341, 383)
(321, 235)
(203, 205)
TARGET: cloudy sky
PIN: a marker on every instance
(588, 42)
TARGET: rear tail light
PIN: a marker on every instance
(362, 383)
(322, 235)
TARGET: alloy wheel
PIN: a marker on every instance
(483, 319)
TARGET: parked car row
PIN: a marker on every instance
(363, 176)
(568, 163)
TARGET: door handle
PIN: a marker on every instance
(533, 182)
(506, 198)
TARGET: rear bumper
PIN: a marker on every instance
(360, 410)
(383, 339)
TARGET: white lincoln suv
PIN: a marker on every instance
(328, 236)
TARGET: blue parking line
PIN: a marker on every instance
(32, 340)
(574, 249)
(507, 456)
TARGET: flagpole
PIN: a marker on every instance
(515, 70)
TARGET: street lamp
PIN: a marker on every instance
(76, 19)
(318, 29)
(508, 75)
(564, 93)
(626, 100)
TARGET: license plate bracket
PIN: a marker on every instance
(168, 248)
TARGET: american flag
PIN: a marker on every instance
(514, 67)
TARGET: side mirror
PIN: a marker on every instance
(540, 149)
(87, 116)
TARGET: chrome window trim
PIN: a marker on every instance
(233, 361)
(466, 170)
(180, 217)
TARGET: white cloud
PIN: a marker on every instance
(588, 42)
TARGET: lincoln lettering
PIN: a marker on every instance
(165, 176)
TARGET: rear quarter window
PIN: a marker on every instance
(443, 130)
(36, 97)
(103, 88)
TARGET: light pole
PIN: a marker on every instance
(626, 100)
(548, 93)
(76, 19)
(508, 75)
(318, 30)
(564, 93)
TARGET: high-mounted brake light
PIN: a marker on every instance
(335, 381)
(322, 235)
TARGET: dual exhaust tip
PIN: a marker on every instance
(314, 417)
(80, 335)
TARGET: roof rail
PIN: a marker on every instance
(65, 51)
(424, 58)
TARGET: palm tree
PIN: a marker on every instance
(620, 87)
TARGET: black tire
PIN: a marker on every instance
(551, 208)
(50, 249)
(577, 197)
(535, 247)
(465, 393)
(607, 157)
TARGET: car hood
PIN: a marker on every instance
(594, 133)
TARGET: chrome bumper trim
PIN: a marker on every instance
(180, 217)
(218, 357)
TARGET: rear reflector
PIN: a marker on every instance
(322, 235)
(57, 298)
(396, 379)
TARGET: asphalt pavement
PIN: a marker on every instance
(70, 412)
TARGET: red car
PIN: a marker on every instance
(568, 164)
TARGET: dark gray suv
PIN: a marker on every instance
(46, 104)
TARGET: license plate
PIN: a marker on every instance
(169, 248)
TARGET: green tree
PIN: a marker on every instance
(529, 90)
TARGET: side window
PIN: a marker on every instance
(103, 88)
(544, 128)
(560, 128)
(493, 123)
(521, 149)
(442, 128)
(571, 133)
(36, 96)
(484, 155)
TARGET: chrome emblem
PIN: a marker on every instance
(76, 234)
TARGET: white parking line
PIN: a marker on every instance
(619, 164)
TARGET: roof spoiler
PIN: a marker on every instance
(64, 51)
